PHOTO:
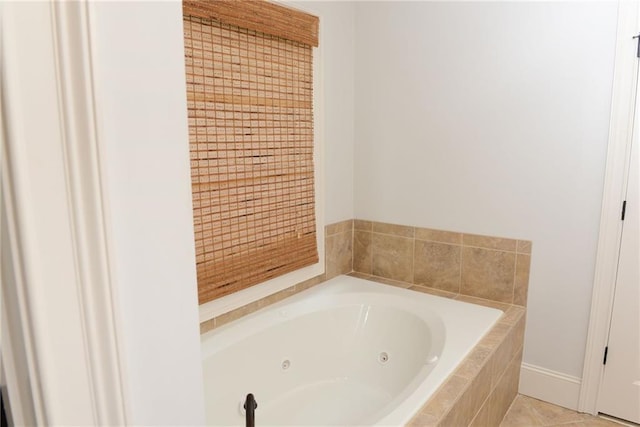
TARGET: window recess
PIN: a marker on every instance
(250, 99)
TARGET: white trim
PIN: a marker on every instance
(87, 208)
(241, 298)
(17, 336)
(57, 272)
(620, 134)
(549, 386)
(140, 93)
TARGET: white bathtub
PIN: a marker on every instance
(345, 352)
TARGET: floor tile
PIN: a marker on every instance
(529, 412)
(520, 414)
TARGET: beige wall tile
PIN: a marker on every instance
(384, 281)
(482, 417)
(338, 227)
(362, 251)
(432, 259)
(433, 291)
(445, 397)
(492, 416)
(278, 296)
(470, 402)
(208, 325)
(431, 235)
(360, 275)
(437, 265)
(309, 283)
(495, 336)
(360, 224)
(489, 242)
(505, 392)
(524, 247)
(394, 229)
(475, 361)
(338, 254)
(392, 257)
(518, 335)
(423, 420)
(512, 315)
(506, 351)
(488, 274)
(225, 318)
(485, 302)
(521, 286)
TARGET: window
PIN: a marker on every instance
(249, 71)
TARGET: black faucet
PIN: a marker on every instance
(250, 406)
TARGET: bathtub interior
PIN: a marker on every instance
(327, 367)
(345, 352)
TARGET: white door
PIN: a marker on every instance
(619, 393)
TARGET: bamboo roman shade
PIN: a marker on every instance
(249, 92)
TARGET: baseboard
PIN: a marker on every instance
(550, 386)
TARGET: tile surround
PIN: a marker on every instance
(362, 251)
(481, 389)
(488, 274)
(521, 284)
(393, 229)
(439, 236)
(437, 265)
(493, 268)
(478, 269)
(338, 249)
(392, 256)
(489, 242)
(491, 271)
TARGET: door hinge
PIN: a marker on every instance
(638, 48)
(606, 351)
(624, 209)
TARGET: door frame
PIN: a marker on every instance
(623, 106)
(65, 313)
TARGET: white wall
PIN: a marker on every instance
(479, 117)
(337, 37)
(492, 118)
(141, 96)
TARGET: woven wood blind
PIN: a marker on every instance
(250, 107)
(258, 15)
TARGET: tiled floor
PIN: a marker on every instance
(528, 412)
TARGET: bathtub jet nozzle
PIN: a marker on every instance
(250, 406)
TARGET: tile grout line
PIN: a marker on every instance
(451, 232)
(460, 271)
(509, 409)
(370, 253)
(413, 262)
(353, 242)
(449, 243)
(515, 276)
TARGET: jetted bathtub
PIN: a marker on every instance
(345, 352)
